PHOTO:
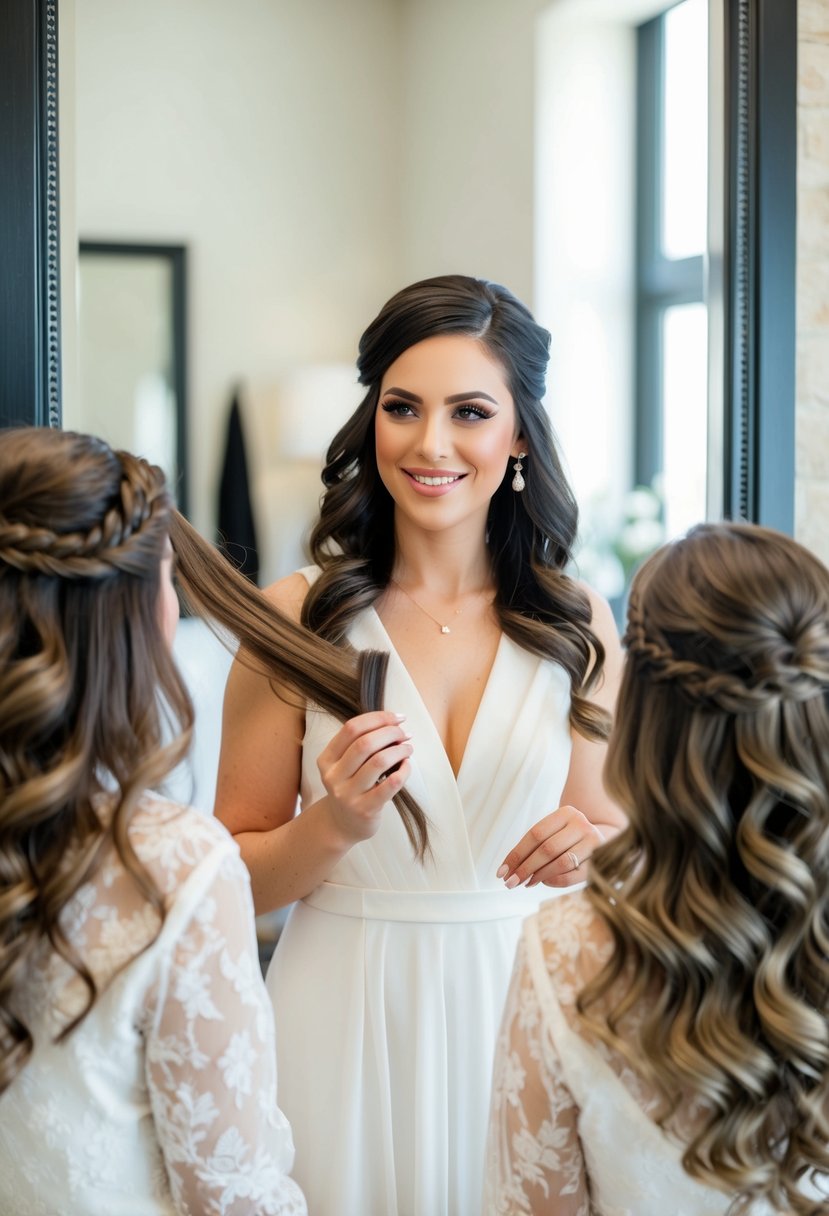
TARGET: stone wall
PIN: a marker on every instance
(812, 411)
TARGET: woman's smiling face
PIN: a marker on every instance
(445, 431)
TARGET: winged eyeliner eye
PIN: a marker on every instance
(466, 413)
(476, 411)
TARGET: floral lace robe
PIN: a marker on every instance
(163, 1100)
(572, 1129)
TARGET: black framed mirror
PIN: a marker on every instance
(29, 214)
(132, 352)
(751, 253)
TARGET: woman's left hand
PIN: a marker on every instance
(554, 851)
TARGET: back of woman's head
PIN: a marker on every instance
(86, 678)
(727, 677)
(82, 532)
(718, 892)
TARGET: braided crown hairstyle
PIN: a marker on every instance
(717, 893)
(92, 708)
(530, 536)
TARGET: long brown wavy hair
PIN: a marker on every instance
(92, 708)
(717, 893)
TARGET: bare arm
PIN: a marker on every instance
(259, 776)
(555, 849)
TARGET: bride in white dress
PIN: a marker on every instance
(665, 1047)
(137, 1056)
(445, 530)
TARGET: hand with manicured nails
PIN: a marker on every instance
(554, 851)
(362, 768)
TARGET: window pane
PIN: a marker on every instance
(685, 419)
(684, 209)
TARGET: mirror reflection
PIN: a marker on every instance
(131, 352)
(390, 978)
(315, 157)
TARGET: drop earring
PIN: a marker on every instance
(518, 482)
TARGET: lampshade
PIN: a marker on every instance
(312, 402)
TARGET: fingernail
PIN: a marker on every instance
(503, 871)
(405, 738)
(400, 717)
(512, 881)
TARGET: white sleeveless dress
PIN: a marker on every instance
(389, 980)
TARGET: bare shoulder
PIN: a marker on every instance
(603, 625)
(288, 594)
(603, 622)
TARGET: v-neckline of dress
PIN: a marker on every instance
(473, 730)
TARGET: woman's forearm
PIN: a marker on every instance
(289, 861)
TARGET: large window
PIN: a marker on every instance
(671, 320)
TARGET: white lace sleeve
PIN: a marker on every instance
(211, 1064)
(534, 1157)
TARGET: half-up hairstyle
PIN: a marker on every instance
(530, 535)
(717, 893)
(93, 710)
(86, 680)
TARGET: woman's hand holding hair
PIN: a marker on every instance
(554, 851)
(362, 768)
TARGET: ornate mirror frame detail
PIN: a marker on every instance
(752, 283)
(29, 214)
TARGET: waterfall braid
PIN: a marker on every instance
(92, 708)
(530, 535)
(717, 894)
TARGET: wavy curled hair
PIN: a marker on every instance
(717, 893)
(530, 535)
(92, 708)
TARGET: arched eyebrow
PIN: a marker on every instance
(475, 394)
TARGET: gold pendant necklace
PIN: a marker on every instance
(440, 624)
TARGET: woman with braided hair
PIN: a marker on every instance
(137, 1060)
(665, 1045)
(445, 532)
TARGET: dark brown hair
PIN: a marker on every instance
(529, 536)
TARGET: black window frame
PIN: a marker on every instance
(661, 282)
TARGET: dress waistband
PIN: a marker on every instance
(432, 907)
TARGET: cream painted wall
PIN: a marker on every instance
(812, 419)
(232, 129)
(265, 136)
(467, 139)
(314, 156)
